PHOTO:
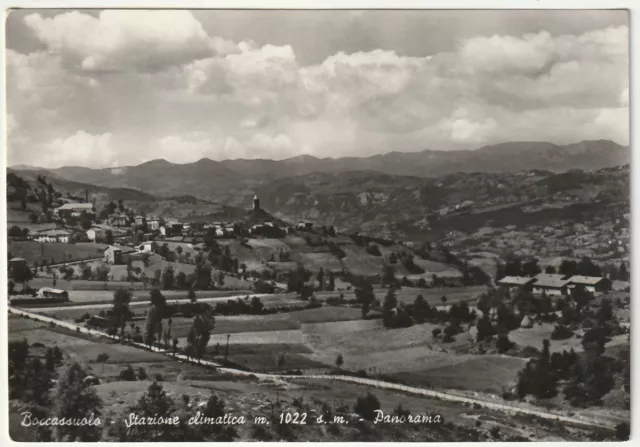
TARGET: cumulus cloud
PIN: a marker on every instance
(80, 149)
(195, 146)
(163, 87)
(127, 39)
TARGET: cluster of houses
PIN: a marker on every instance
(120, 226)
(557, 284)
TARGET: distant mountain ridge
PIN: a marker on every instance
(232, 181)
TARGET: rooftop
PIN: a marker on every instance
(551, 282)
(49, 289)
(586, 280)
(549, 276)
(53, 233)
(75, 206)
(516, 280)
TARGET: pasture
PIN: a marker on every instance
(54, 252)
(489, 373)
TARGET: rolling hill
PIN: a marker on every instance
(234, 182)
(185, 206)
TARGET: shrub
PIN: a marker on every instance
(128, 374)
(623, 431)
(503, 344)
(142, 374)
(561, 332)
(366, 406)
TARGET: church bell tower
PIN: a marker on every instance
(256, 203)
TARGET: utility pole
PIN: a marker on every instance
(226, 353)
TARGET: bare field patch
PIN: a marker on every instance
(55, 252)
(341, 327)
(326, 314)
(490, 373)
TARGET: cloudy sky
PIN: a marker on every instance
(112, 88)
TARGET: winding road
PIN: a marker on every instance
(510, 409)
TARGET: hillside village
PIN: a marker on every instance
(300, 297)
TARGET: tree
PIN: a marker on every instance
(623, 273)
(103, 357)
(142, 374)
(531, 268)
(200, 333)
(157, 298)
(388, 275)
(153, 324)
(74, 398)
(568, 268)
(168, 278)
(86, 272)
(332, 281)
(120, 310)
(280, 360)
(192, 296)
(214, 408)
(339, 361)
(551, 270)
(503, 344)
(366, 406)
(153, 403)
(18, 355)
(485, 329)
(256, 305)
(388, 307)
(320, 279)
(21, 273)
(181, 280)
(605, 312)
(108, 237)
(421, 309)
(364, 294)
(202, 275)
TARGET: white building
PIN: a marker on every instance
(73, 209)
(145, 247)
(52, 236)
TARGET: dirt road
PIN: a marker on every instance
(361, 381)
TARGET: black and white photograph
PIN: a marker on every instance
(317, 225)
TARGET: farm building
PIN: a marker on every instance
(73, 209)
(138, 220)
(550, 284)
(515, 282)
(47, 292)
(153, 223)
(118, 220)
(526, 322)
(98, 232)
(146, 247)
(113, 255)
(303, 225)
(52, 236)
(591, 284)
